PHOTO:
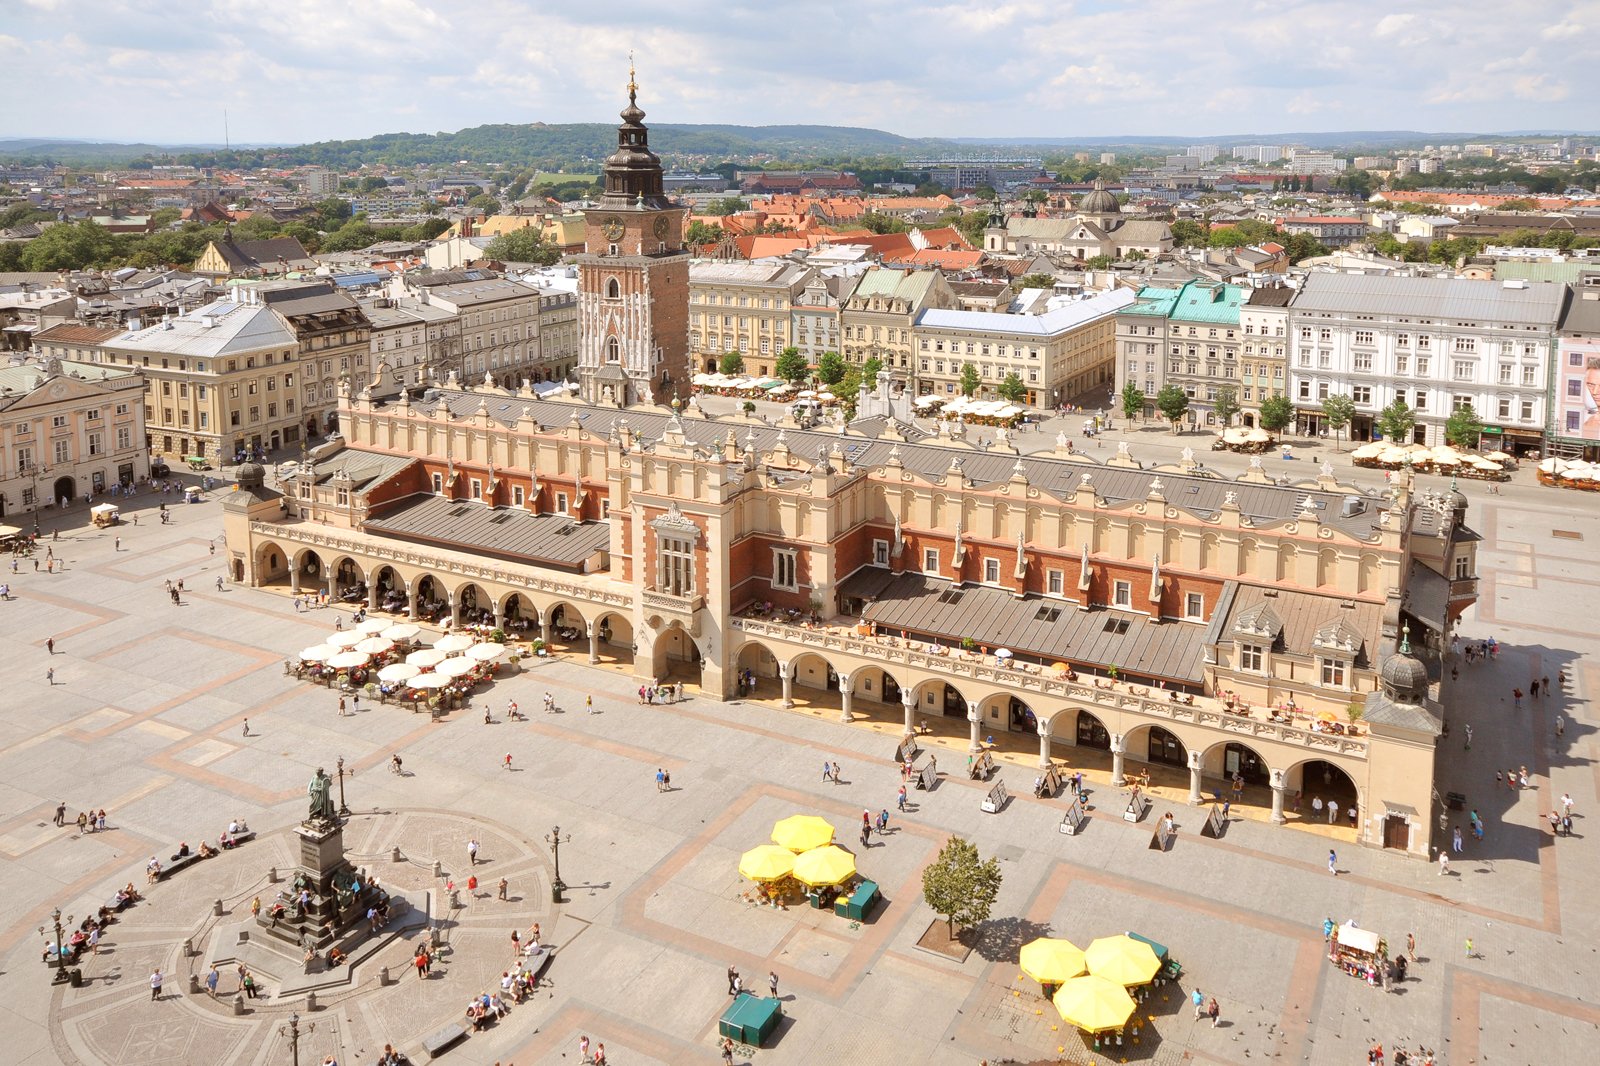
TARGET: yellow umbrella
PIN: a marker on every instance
(1122, 959)
(1094, 1004)
(1051, 961)
(767, 862)
(829, 865)
(802, 832)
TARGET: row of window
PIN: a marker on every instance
(1254, 659)
(1004, 351)
(61, 450)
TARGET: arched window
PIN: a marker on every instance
(613, 350)
(613, 289)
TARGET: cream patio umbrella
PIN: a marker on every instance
(403, 631)
(373, 626)
(399, 672)
(486, 653)
(429, 681)
(348, 660)
(319, 653)
(375, 646)
(427, 657)
(348, 639)
(458, 666)
(455, 642)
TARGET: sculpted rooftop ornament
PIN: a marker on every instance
(1230, 498)
(1255, 462)
(1326, 468)
(1188, 455)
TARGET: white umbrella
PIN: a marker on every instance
(1446, 459)
(348, 639)
(1554, 465)
(1369, 451)
(375, 646)
(404, 631)
(427, 657)
(429, 681)
(454, 642)
(486, 653)
(399, 672)
(346, 660)
(456, 667)
(1002, 653)
(319, 653)
(373, 626)
(1498, 456)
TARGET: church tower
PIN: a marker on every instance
(633, 278)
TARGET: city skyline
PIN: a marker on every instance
(303, 71)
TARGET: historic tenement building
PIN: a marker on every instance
(1140, 611)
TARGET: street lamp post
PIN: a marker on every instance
(555, 839)
(292, 1031)
(344, 812)
(61, 961)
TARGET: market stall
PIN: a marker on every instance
(1358, 952)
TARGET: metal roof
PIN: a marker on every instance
(1070, 316)
(1433, 299)
(1302, 614)
(506, 532)
(235, 328)
(1263, 504)
(933, 607)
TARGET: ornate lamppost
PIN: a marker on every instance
(344, 812)
(61, 960)
(555, 839)
(292, 1031)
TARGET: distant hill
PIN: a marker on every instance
(533, 144)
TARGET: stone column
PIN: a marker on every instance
(294, 577)
(908, 703)
(594, 646)
(844, 703)
(455, 611)
(333, 585)
(372, 595)
(1277, 797)
(786, 675)
(545, 629)
(499, 617)
(1196, 796)
(1044, 744)
(974, 725)
(1119, 748)
(411, 600)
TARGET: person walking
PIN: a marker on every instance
(50, 675)
(733, 981)
(1516, 698)
(472, 844)
(500, 893)
(900, 799)
(727, 1051)
(1455, 839)
(1213, 1011)
(246, 728)
(1566, 802)
(50, 645)
(507, 762)
(61, 813)
(1444, 862)
(1561, 726)
(1333, 863)
(1199, 1003)
(588, 701)
(1411, 946)
(660, 779)
(1469, 947)
(772, 983)
(155, 985)
(341, 706)
(211, 981)
(1468, 730)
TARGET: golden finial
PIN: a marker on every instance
(633, 88)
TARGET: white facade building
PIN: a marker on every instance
(1436, 343)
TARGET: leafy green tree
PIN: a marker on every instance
(1463, 427)
(958, 887)
(1173, 404)
(728, 205)
(972, 224)
(1276, 413)
(731, 363)
(1187, 233)
(1338, 410)
(849, 391)
(876, 222)
(1133, 401)
(1300, 246)
(871, 369)
(69, 246)
(831, 368)
(1098, 262)
(1226, 405)
(525, 245)
(426, 230)
(791, 365)
(1011, 388)
(332, 213)
(485, 203)
(703, 233)
(969, 379)
(351, 236)
(984, 192)
(1038, 280)
(1396, 421)
(1228, 237)
(1520, 203)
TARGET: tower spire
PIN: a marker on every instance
(633, 85)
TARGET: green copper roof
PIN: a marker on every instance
(1209, 302)
(1153, 301)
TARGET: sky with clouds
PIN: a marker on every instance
(303, 70)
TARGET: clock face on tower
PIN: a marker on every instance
(612, 228)
(662, 227)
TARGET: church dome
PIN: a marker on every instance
(1099, 202)
(251, 475)
(1403, 676)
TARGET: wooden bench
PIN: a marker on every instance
(244, 837)
(444, 1040)
(178, 864)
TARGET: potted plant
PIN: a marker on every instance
(538, 647)
(967, 643)
(498, 636)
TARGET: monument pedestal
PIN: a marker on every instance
(338, 896)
